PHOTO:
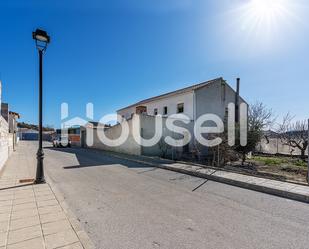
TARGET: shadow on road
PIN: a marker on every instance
(96, 158)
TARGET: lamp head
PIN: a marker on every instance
(41, 39)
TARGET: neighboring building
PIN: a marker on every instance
(13, 116)
(5, 111)
(73, 129)
(27, 134)
(73, 134)
(208, 97)
(30, 134)
(93, 128)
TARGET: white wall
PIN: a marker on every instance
(129, 147)
(4, 141)
(161, 148)
(146, 126)
(214, 98)
(274, 146)
(169, 101)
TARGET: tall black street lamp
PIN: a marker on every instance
(41, 40)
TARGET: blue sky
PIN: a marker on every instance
(114, 53)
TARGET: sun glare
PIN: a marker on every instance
(259, 26)
(264, 17)
(266, 8)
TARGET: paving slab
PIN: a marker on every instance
(36, 243)
(24, 222)
(33, 216)
(56, 226)
(73, 246)
(24, 213)
(49, 209)
(23, 234)
(3, 236)
(52, 217)
(61, 239)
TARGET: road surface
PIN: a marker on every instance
(122, 204)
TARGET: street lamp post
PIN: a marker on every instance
(41, 40)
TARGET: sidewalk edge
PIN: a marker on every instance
(75, 223)
(246, 185)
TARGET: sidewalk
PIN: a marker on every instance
(34, 216)
(283, 189)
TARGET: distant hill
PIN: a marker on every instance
(33, 127)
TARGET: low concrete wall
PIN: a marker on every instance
(4, 141)
(275, 146)
(146, 126)
(130, 146)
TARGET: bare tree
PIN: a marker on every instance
(294, 134)
(259, 119)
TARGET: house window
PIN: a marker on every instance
(165, 110)
(180, 108)
(155, 111)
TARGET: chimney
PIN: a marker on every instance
(237, 101)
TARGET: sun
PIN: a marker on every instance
(258, 26)
(264, 17)
(266, 8)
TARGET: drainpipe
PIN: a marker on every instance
(194, 106)
(237, 101)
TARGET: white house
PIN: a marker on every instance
(211, 96)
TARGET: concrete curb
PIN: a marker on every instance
(246, 185)
(81, 234)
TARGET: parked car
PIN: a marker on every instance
(61, 142)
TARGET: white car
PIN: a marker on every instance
(61, 142)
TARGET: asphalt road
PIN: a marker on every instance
(126, 205)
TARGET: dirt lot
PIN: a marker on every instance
(278, 167)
